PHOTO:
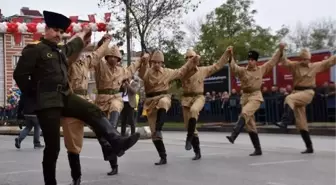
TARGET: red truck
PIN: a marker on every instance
(282, 77)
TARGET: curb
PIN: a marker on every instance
(145, 132)
(318, 131)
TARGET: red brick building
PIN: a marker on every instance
(10, 51)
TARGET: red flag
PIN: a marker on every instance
(74, 19)
(92, 18)
(108, 17)
(17, 36)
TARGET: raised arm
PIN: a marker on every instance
(189, 68)
(209, 70)
(25, 68)
(77, 43)
(130, 70)
(324, 64)
(237, 70)
(276, 58)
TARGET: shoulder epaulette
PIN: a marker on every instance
(34, 42)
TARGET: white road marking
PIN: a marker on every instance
(275, 183)
(7, 162)
(207, 154)
(18, 172)
(276, 162)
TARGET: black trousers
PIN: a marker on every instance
(127, 118)
(49, 120)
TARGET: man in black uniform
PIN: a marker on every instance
(41, 74)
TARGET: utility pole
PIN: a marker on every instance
(128, 33)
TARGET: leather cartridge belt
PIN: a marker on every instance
(80, 91)
(301, 88)
(248, 91)
(52, 87)
(108, 91)
(153, 94)
(192, 94)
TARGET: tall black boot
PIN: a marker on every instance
(190, 134)
(162, 152)
(114, 166)
(309, 145)
(114, 117)
(75, 167)
(256, 144)
(49, 172)
(287, 117)
(119, 145)
(237, 129)
(196, 145)
(161, 116)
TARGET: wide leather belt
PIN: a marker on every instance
(248, 91)
(153, 94)
(108, 91)
(192, 94)
(80, 91)
(53, 88)
(300, 88)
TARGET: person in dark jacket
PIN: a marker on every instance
(30, 120)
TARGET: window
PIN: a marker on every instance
(14, 44)
(15, 60)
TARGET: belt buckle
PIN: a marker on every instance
(59, 87)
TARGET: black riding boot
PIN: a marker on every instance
(75, 167)
(119, 145)
(190, 134)
(196, 145)
(236, 130)
(114, 166)
(162, 152)
(256, 144)
(309, 145)
(287, 117)
(49, 173)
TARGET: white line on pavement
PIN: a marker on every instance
(7, 162)
(18, 172)
(276, 162)
(274, 183)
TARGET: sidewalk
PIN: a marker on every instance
(145, 132)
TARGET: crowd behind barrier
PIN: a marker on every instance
(321, 109)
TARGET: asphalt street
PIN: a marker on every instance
(222, 163)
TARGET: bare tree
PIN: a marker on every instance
(146, 15)
(193, 30)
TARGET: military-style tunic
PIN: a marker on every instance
(193, 89)
(251, 81)
(304, 74)
(73, 129)
(109, 81)
(49, 63)
(157, 84)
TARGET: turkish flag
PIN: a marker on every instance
(92, 18)
(108, 17)
(74, 19)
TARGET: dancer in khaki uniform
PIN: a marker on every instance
(251, 80)
(73, 129)
(109, 78)
(157, 82)
(193, 99)
(304, 74)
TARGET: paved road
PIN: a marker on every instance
(222, 163)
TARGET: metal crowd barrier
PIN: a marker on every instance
(321, 109)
